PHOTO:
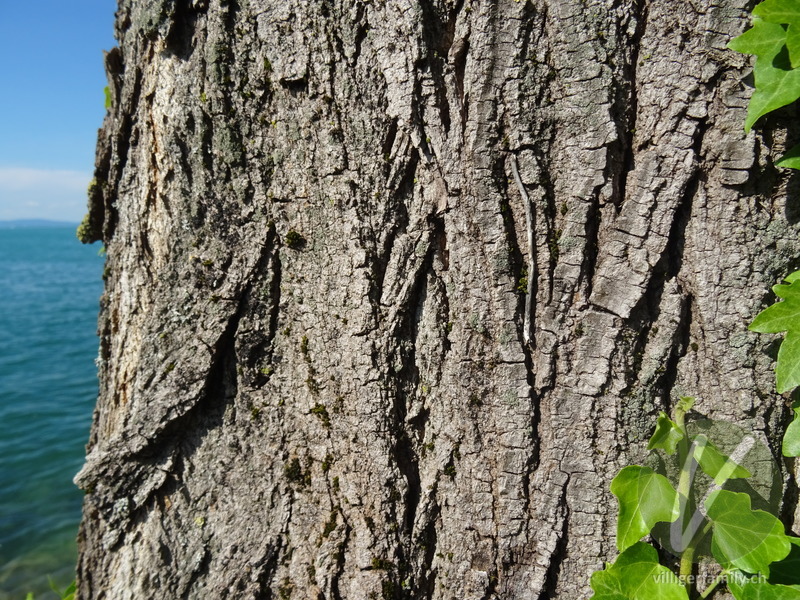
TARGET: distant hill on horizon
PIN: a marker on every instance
(31, 223)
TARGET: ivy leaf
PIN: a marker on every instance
(778, 11)
(791, 439)
(775, 87)
(788, 368)
(793, 43)
(790, 160)
(685, 404)
(784, 316)
(744, 538)
(756, 588)
(787, 571)
(637, 575)
(645, 498)
(777, 84)
(607, 585)
(763, 39)
(715, 464)
(667, 435)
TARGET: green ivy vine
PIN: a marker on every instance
(784, 316)
(705, 514)
(774, 39)
(712, 514)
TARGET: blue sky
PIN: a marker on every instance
(51, 103)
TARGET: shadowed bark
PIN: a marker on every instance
(394, 288)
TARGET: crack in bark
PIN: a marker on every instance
(267, 569)
(362, 28)
(182, 27)
(530, 305)
(123, 138)
(407, 330)
(680, 345)
(627, 104)
(676, 241)
(559, 553)
(194, 576)
(340, 561)
(591, 247)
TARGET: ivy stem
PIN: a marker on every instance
(687, 562)
(717, 580)
(685, 500)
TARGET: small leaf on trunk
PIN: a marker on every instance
(637, 575)
(645, 498)
(667, 435)
(744, 538)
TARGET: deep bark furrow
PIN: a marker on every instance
(550, 587)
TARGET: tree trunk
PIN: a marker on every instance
(394, 288)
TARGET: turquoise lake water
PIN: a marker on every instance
(50, 287)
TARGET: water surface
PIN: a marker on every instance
(49, 290)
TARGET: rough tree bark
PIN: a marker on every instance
(395, 287)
